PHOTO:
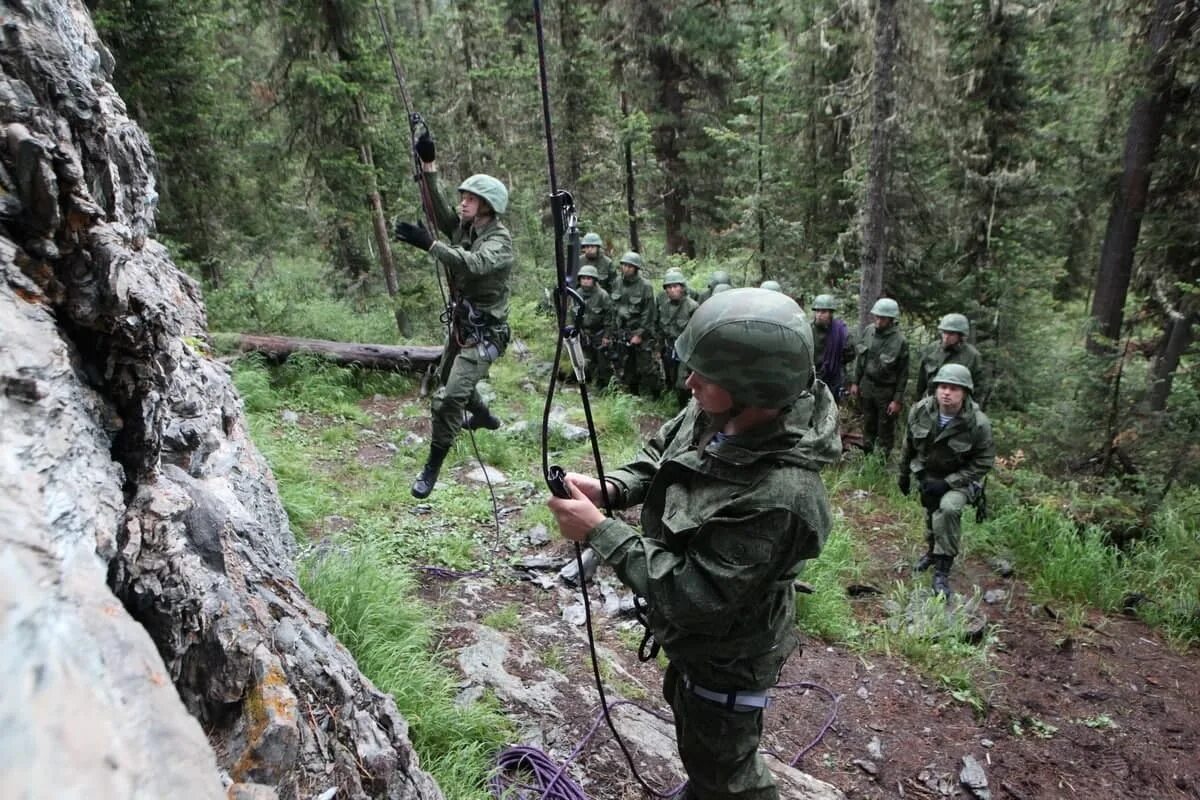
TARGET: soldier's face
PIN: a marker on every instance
(469, 206)
(591, 251)
(950, 339)
(587, 281)
(675, 291)
(950, 398)
(628, 270)
(823, 317)
(711, 398)
(881, 323)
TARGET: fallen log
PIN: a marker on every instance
(406, 358)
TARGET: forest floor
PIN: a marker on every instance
(1067, 705)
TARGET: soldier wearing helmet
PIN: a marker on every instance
(477, 254)
(597, 309)
(771, 286)
(592, 255)
(732, 500)
(948, 449)
(881, 375)
(952, 349)
(833, 345)
(674, 309)
(719, 278)
(631, 330)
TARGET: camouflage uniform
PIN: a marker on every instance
(672, 317)
(480, 263)
(935, 356)
(609, 274)
(597, 311)
(881, 372)
(722, 531)
(633, 314)
(960, 454)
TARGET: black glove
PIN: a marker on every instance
(416, 235)
(905, 483)
(934, 486)
(426, 148)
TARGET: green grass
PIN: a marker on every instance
(507, 618)
(827, 612)
(374, 612)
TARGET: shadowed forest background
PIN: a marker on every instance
(1033, 165)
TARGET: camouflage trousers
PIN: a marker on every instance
(879, 428)
(718, 747)
(943, 521)
(462, 368)
(636, 366)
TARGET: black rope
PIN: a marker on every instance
(565, 225)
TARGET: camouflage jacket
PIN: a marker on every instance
(723, 529)
(882, 361)
(597, 308)
(480, 261)
(672, 318)
(961, 453)
(633, 307)
(603, 264)
(934, 357)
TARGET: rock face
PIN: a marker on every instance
(145, 560)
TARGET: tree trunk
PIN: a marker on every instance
(883, 100)
(669, 76)
(371, 356)
(630, 188)
(1146, 119)
(1177, 337)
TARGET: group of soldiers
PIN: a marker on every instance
(731, 492)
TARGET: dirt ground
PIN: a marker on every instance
(1102, 709)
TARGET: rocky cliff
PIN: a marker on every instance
(153, 639)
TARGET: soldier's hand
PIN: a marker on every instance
(854, 390)
(414, 235)
(605, 342)
(905, 483)
(893, 408)
(426, 148)
(635, 339)
(575, 515)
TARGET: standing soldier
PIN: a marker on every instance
(631, 332)
(732, 500)
(674, 309)
(592, 255)
(597, 309)
(718, 277)
(771, 286)
(948, 449)
(833, 345)
(881, 375)
(478, 257)
(952, 349)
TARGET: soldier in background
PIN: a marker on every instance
(597, 310)
(719, 277)
(948, 448)
(833, 345)
(630, 339)
(591, 254)
(881, 375)
(674, 309)
(952, 349)
(771, 286)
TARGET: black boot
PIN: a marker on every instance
(424, 483)
(925, 561)
(941, 575)
(482, 419)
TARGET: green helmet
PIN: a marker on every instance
(721, 287)
(753, 343)
(588, 271)
(886, 307)
(672, 277)
(632, 258)
(955, 323)
(955, 374)
(771, 286)
(592, 239)
(489, 189)
(720, 276)
(824, 302)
